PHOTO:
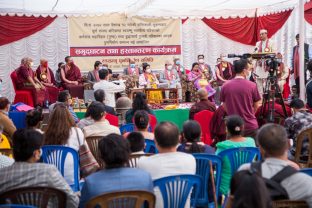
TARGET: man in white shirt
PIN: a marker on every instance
(109, 88)
(101, 126)
(273, 143)
(168, 162)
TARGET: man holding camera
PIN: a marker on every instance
(265, 45)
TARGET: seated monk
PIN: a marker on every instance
(26, 80)
(262, 115)
(71, 78)
(45, 75)
(217, 126)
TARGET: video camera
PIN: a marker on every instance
(244, 56)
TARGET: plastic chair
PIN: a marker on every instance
(239, 156)
(56, 155)
(304, 162)
(18, 119)
(176, 189)
(93, 143)
(132, 199)
(204, 118)
(150, 146)
(203, 164)
(113, 120)
(289, 204)
(152, 122)
(133, 160)
(306, 171)
(34, 196)
(127, 128)
(23, 96)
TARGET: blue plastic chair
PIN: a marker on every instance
(150, 146)
(306, 171)
(56, 155)
(239, 156)
(127, 128)
(203, 162)
(176, 189)
(18, 119)
(15, 206)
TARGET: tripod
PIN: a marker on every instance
(271, 91)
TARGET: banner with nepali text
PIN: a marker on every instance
(115, 39)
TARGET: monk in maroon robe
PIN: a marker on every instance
(45, 75)
(71, 78)
(217, 126)
(26, 80)
(224, 71)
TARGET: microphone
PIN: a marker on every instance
(256, 49)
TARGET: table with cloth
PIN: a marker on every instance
(177, 116)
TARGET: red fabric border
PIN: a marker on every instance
(246, 30)
(13, 28)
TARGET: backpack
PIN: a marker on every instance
(276, 190)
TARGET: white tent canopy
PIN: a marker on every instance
(147, 8)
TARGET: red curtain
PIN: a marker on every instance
(308, 12)
(246, 30)
(13, 28)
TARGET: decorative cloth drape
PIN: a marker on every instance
(50, 43)
(246, 30)
(308, 12)
(13, 28)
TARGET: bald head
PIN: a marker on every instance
(167, 135)
(202, 94)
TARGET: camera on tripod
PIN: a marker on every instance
(272, 63)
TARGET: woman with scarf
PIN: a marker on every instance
(198, 78)
(45, 75)
(149, 80)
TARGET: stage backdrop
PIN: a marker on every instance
(116, 38)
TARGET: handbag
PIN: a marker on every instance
(87, 162)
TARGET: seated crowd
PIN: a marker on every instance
(235, 120)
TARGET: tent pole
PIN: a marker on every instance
(301, 50)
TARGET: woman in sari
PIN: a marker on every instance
(149, 80)
(45, 75)
(198, 78)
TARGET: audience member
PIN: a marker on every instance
(241, 97)
(235, 129)
(101, 126)
(86, 121)
(137, 143)
(309, 85)
(168, 161)
(61, 130)
(99, 95)
(141, 122)
(248, 190)
(109, 87)
(299, 121)
(5, 121)
(217, 126)
(65, 98)
(263, 114)
(202, 104)
(139, 103)
(273, 144)
(114, 151)
(27, 172)
(34, 119)
(191, 139)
